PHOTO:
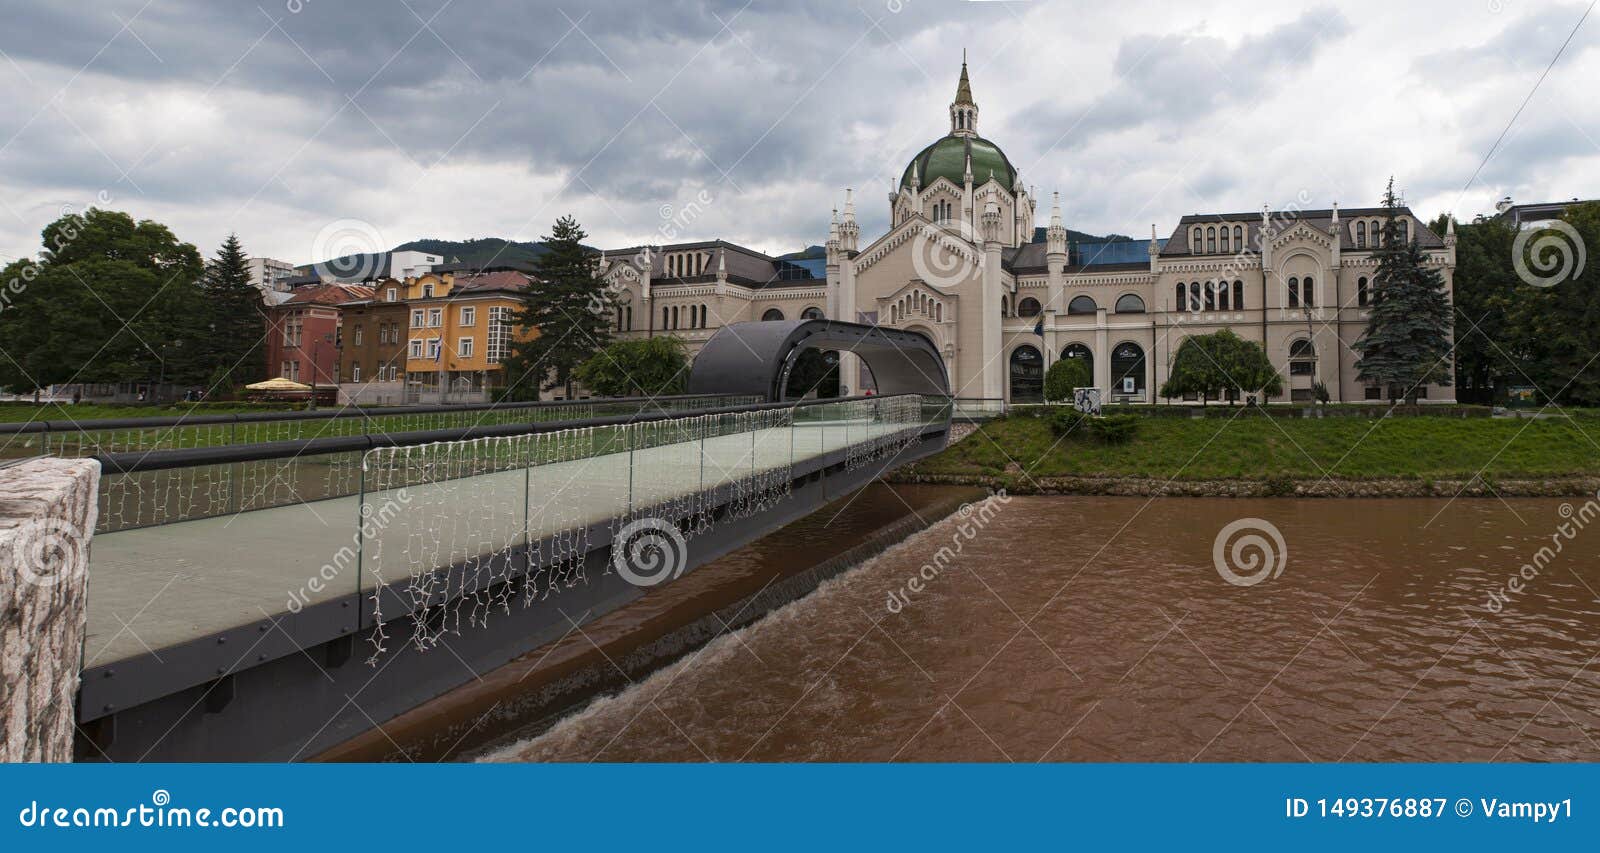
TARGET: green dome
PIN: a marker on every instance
(947, 158)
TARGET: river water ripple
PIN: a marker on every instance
(1099, 629)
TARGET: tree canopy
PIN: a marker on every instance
(109, 299)
(1064, 376)
(1210, 365)
(644, 367)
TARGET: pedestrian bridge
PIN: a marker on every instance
(272, 599)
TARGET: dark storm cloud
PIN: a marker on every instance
(1167, 81)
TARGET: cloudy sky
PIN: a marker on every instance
(427, 118)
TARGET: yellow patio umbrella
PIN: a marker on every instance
(280, 385)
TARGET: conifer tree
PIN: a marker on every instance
(570, 309)
(235, 343)
(1407, 340)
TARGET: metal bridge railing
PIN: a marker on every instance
(124, 435)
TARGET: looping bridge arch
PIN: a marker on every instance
(756, 357)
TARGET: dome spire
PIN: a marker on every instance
(964, 88)
(964, 110)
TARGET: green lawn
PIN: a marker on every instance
(22, 412)
(1254, 447)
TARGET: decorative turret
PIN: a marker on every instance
(833, 239)
(963, 110)
(849, 231)
(1155, 247)
(722, 265)
(991, 224)
(1056, 234)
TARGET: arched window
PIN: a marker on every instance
(1180, 297)
(1081, 351)
(1027, 375)
(1294, 292)
(1222, 296)
(1225, 244)
(1308, 292)
(1005, 306)
(1081, 304)
(811, 313)
(938, 312)
(629, 311)
(1211, 239)
(1302, 358)
(666, 317)
(1377, 233)
(1238, 239)
(772, 314)
(1194, 243)
(1238, 296)
(1127, 370)
(1028, 307)
(1362, 294)
(1130, 303)
(1361, 235)
(1211, 296)
(1195, 300)
(1405, 232)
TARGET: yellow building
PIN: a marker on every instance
(460, 329)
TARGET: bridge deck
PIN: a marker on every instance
(155, 587)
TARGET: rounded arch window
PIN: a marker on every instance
(772, 314)
(1127, 369)
(1028, 307)
(812, 313)
(1130, 303)
(1080, 351)
(1005, 306)
(1082, 305)
(1302, 349)
(1027, 375)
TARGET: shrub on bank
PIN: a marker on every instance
(1114, 429)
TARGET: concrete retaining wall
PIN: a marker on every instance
(47, 516)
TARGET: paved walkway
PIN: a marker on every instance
(154, 587)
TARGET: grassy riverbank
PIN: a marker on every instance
(1251, 447)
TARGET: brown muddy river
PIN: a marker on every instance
(1100, 629)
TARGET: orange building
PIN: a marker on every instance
(460, 330)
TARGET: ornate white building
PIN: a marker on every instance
(960, 264)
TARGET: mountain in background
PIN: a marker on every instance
(480, 250)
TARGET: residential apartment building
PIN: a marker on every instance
(439, 337)
(272, 277)
(375, 335)
(304, 335)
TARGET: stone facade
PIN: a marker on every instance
(47, 516)
(960, 264)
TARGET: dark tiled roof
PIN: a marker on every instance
(509, 281)
(1178, 243)
(745, 266)
(328, 294)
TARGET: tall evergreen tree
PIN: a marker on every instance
(1407, 340)
(570, 309)
(236, 342)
